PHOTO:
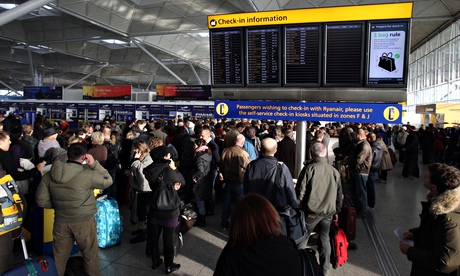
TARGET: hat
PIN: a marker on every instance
(160, 152)
(49, 131)
(412, 128)
(404, 127)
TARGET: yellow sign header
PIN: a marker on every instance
(314, 15)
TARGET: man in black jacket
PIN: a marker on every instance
(260, 177)
(411, 159)
(377, 153)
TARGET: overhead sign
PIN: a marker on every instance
(312, 111)
(329, 14)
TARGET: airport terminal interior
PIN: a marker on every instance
(144, 43)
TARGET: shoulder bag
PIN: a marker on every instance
(166, 197)
(292, 220)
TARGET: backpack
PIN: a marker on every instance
(11, 205)
(112, 157)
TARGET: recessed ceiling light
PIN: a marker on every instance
(114, 41)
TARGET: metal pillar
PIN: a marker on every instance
(194, 72)
(87, 76)
(23, 9)
(138, 43)
(9, 87)
(301, 134)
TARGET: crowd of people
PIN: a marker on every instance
(219, 159)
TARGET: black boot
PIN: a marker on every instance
(170, 269)
(157, 263)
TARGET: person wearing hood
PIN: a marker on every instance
(436, 248)
(165, 221)
(377, 154)
(69, 189)
(202, 185)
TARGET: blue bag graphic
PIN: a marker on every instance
(109, 223)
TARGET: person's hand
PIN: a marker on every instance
(408, 235)
(41, 165)
(404, 247)
(137, 155)
(177, 186)
(89, 159)
(172, 165)
(195, 180)
(221, 177)
(335, 217)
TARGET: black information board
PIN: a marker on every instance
(263, 57)
(227, 57)
(302, 55)
(344, 54)
(388, 50)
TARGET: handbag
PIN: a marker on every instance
(292, 219)
(166, 197)
(310, 263)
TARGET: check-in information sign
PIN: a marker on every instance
(312, 111)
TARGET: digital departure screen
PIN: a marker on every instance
(263, 56)
(227, 57)
(344, 54)
(387, 54)
(302, 55)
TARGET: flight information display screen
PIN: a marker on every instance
(302, 55)
(344, 54)
(227, 57)
(263, 56)
(387, 54)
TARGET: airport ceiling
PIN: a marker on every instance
(70, 42)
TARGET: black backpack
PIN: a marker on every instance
(112, 156)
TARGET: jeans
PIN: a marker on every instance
(361, 191)
(211, 204)
(371, 189)
(85, 234)
(324, 248)
(232, 192)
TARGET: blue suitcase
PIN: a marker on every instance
(38, 266)
(108, 221)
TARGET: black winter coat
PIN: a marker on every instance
(170, 176)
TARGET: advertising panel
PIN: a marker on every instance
(388, 44)
(122, 92)
(42, 93)
(183, 92)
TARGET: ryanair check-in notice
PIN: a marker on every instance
(312, 111)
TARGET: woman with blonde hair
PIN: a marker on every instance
(98, 151)
(140, 189)
(255, 245)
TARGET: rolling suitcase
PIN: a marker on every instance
(108, 222)
(347, 218)
(43, 265)
(339, 245)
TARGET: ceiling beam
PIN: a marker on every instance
(87, 76)
(138, 43)
(23, 9)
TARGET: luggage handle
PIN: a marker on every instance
(24, 247)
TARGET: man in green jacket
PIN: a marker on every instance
(319, 192)
(69, 189)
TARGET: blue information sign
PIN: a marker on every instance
(312, 111)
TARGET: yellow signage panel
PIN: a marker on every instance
(314, 15)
